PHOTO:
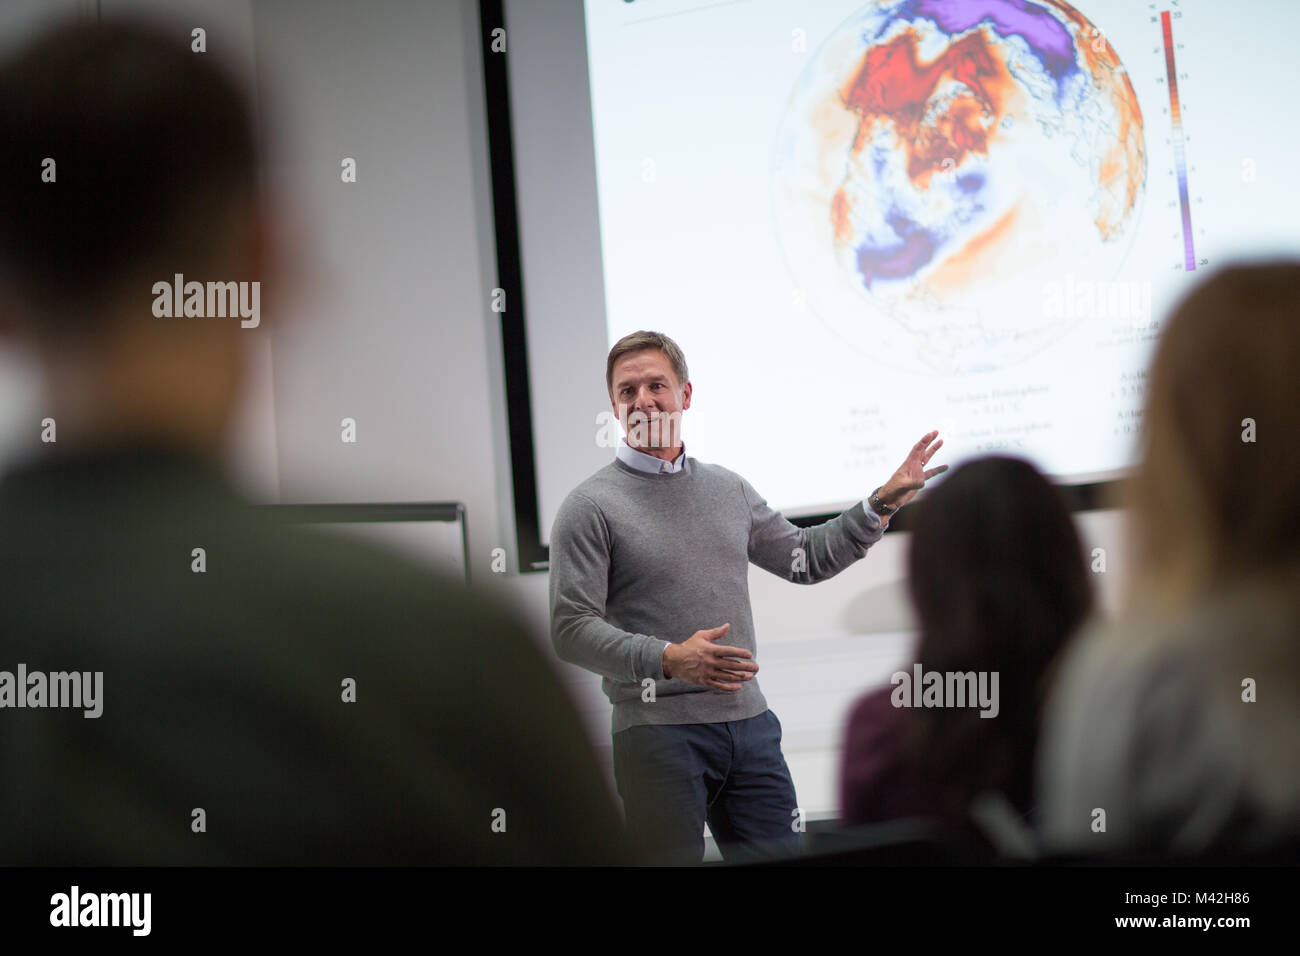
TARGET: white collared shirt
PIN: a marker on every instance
(649, 463)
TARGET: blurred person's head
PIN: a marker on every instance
(1216, 497)
(154, 173)
(997, 577)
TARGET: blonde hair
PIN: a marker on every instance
(1216, 498)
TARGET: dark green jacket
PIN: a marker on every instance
(223, 690)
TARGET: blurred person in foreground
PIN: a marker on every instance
(224, 732)
(1173, 731)
(997, 579)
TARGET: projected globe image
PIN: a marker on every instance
(942, 163)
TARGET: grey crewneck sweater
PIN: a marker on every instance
(641, 559)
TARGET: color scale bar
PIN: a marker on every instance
(1180, 157)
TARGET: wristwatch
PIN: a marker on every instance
(879, 507)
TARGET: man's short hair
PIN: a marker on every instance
(152, 146)
(638, 341)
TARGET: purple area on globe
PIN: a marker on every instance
(1047, 37)
(900, 259)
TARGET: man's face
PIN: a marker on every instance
(648, 399)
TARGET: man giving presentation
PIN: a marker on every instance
(649, 588)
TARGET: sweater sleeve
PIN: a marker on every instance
(808, 555)
(1134, 733)
(867, 760)
(579, 585)
(1085, 741)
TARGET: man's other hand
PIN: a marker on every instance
(697, 660)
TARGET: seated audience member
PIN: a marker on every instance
(279, 696)
(997, 578)
(1173, 731)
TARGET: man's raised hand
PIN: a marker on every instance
(912, 475)
(697, 660)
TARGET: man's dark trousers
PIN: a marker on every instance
(674, 777)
